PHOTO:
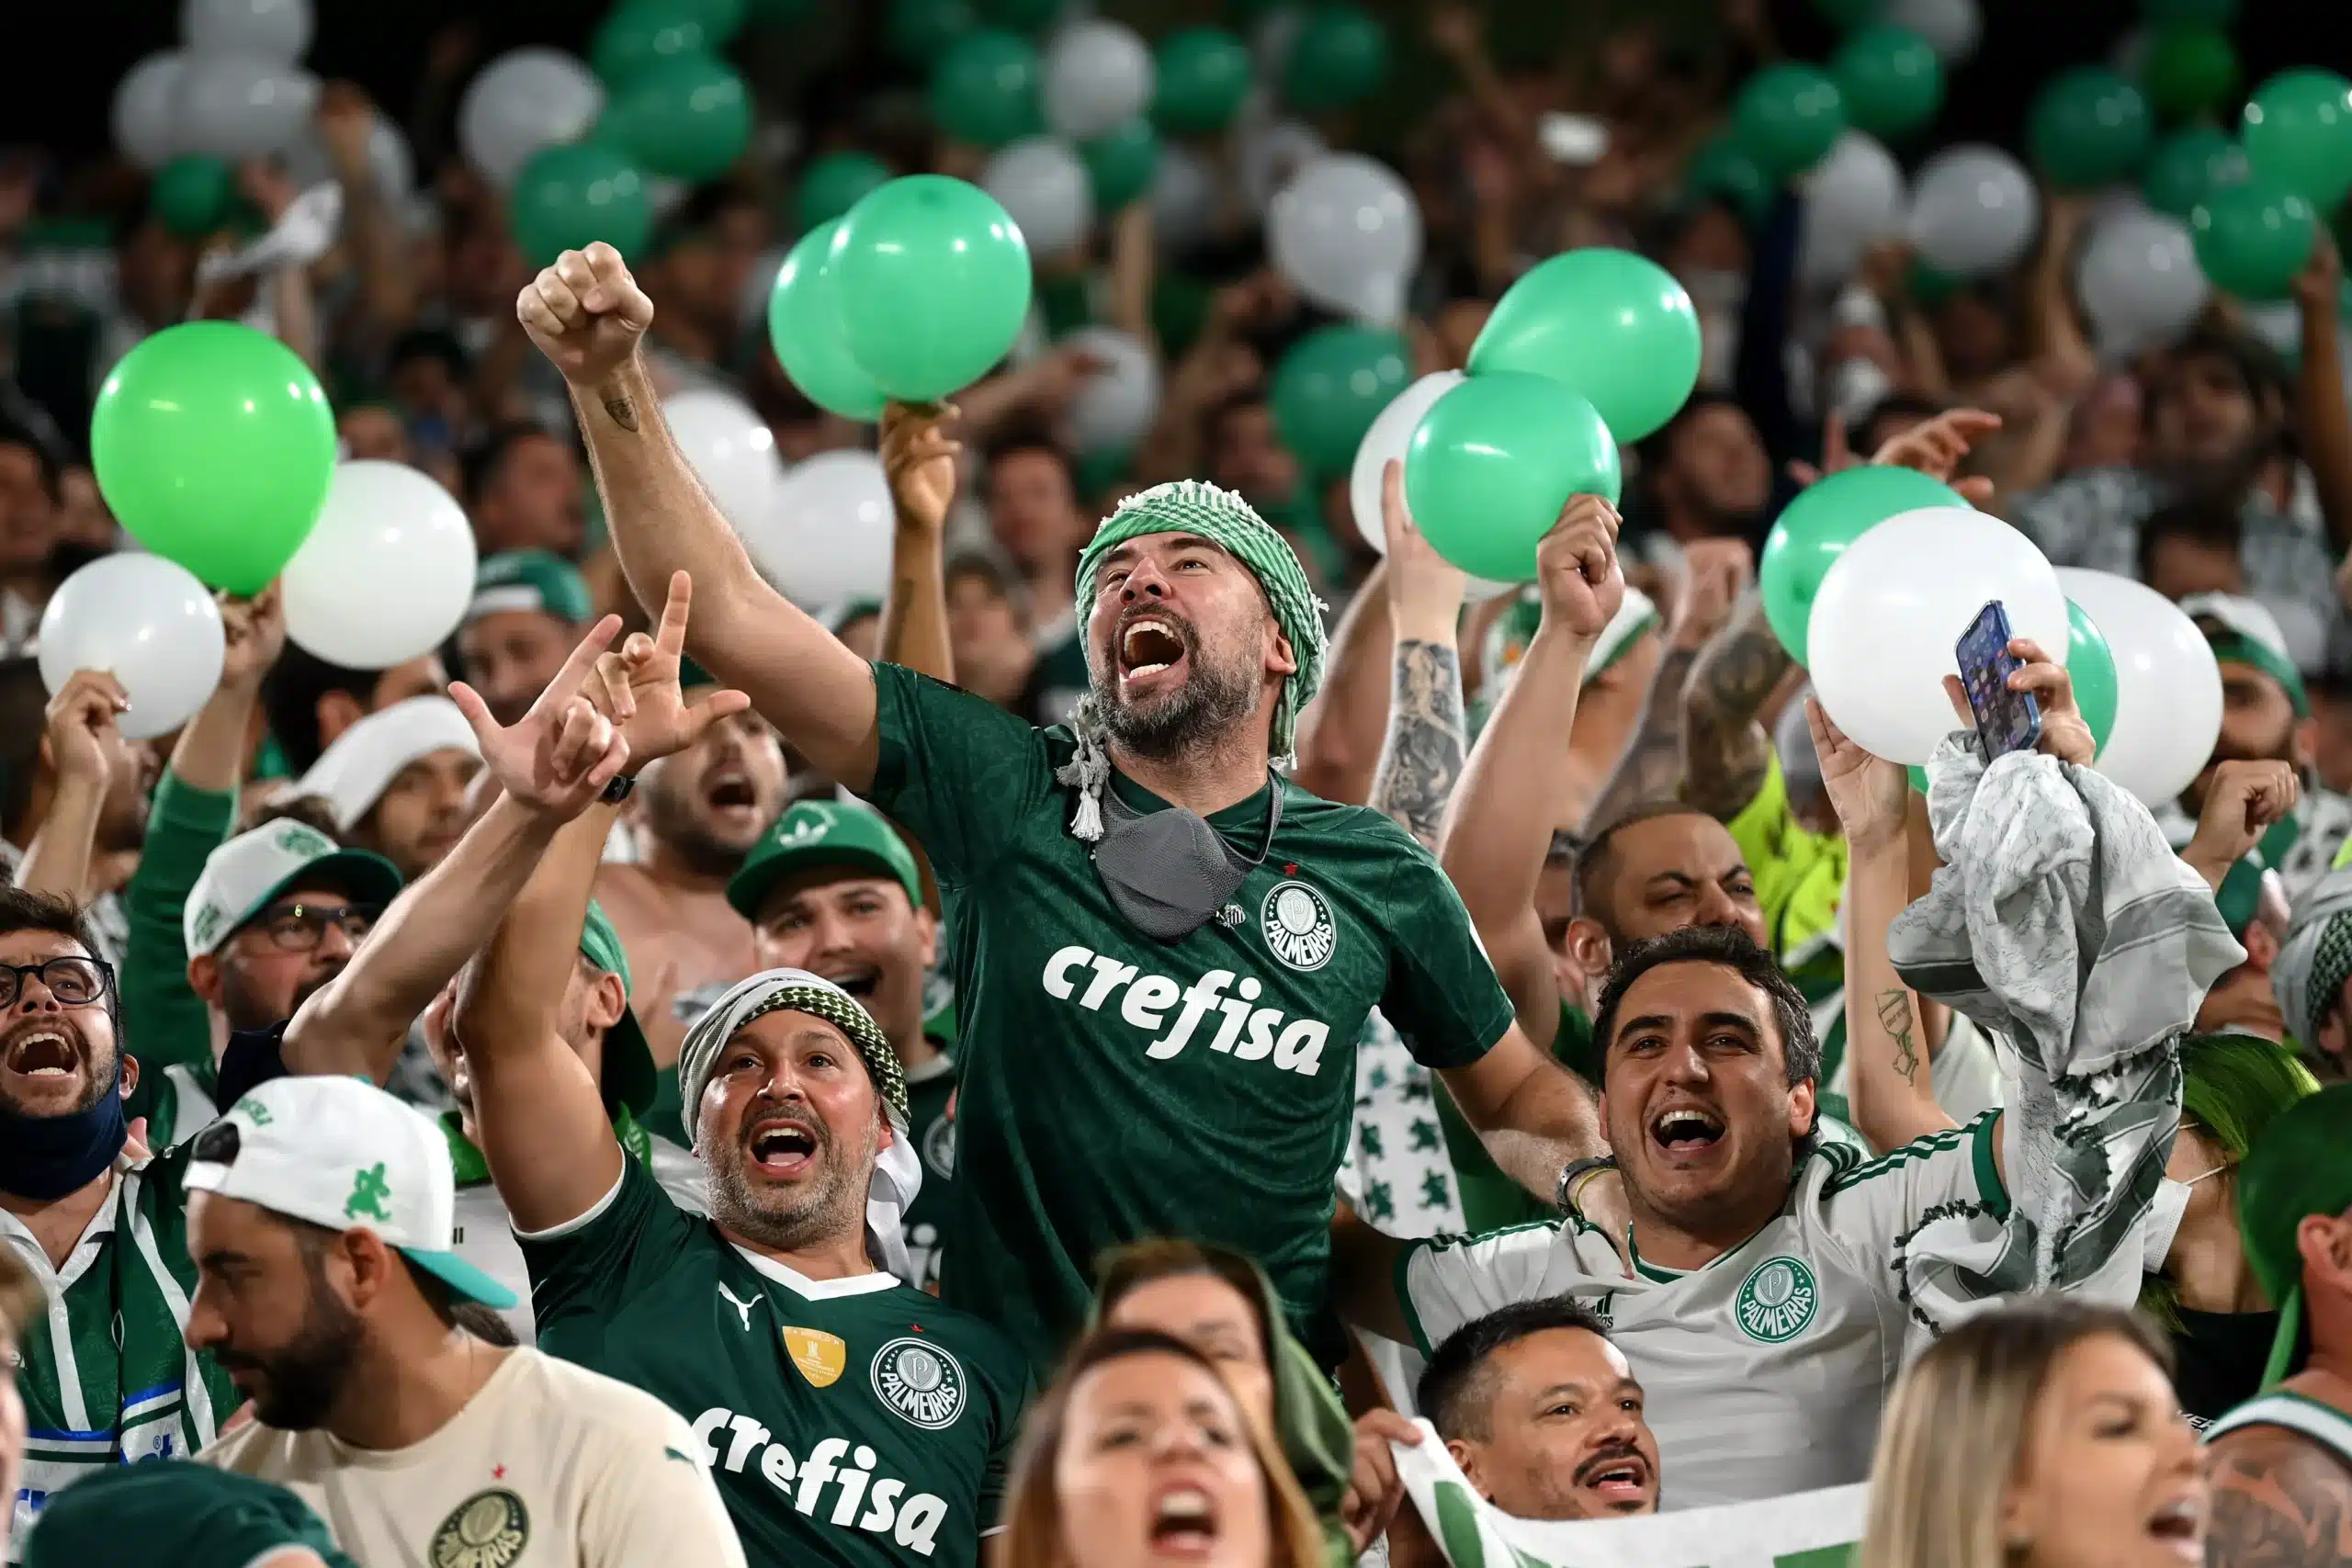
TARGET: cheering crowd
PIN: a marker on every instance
(1159, 1012)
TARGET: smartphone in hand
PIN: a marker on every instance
(2006, 720)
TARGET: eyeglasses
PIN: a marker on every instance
(73, 980)
(298, 928)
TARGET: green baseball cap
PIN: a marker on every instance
(179, 1512)
(253, 870)
(537, 581)
(2242, 631)
(2297, 1167)
(819, 833)
(628, 1072)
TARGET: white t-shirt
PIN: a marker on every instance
(1764, 1371)
(549, 1465)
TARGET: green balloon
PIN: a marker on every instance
(1032, 17)
(1918, 777)
(1891, 78)
(214, 445)
(835, 181)
(920, 30)
(688, 117)
(1615, 326)
(1787, 117)
(1330, 387)
(1201, 76)
(805, 328)
(2189, 70)
(2297, 132)
(722, 19)
(193, 195)
(2186, 164)
(2252, 239)
(2194, 13)
(1722, 171)
(638, 34)
(1848, 15)
(1339, 56)
(2090, 664)
(934, 280)
(566, 197)
(985, 90)
(1492, 463)
(1120, 165)
(2089, 126)
(1815, 528)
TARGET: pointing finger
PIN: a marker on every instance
(672, 638)
(477, 714)
(574, 673)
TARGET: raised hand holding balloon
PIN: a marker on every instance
(146, 622)
(1494, 463)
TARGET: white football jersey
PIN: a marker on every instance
(1765, 1370)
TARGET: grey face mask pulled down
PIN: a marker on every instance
(1168, 872)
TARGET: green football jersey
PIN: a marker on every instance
(854, 1422)
(1116, 1087)
(105, 1375)
(929, 1089)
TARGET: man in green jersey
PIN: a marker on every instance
(190, 1516)
(833, 889)
(1164, 952)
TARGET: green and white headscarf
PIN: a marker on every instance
(1225, 519)
(2316, 958)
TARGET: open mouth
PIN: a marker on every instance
(1686, 1130)
(43, 1052)
(1184, 1523)
(730, 789)
(860, 980)
(1149, 647)
(1621, 1478)
(2180, 1526)
(782, 1148)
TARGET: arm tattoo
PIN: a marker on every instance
(1895, 1017)
(623, 409)
(2279, 1501)
(1725, 751)
(1651, 768)
(1421, 760)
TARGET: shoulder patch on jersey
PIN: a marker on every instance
(819, 1357)
(489, 1530)
(921, 1380)
(1776, 1301)
(1298, 926)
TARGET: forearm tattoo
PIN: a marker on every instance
(1895, 1017)
(623, 409)
(1420, 757)
(1725, 751)
(2279, 1501)
(1651, 766)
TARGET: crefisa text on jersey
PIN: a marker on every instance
(912, 1521)
(1248, 1032)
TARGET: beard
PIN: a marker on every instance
(1217, 694)
(302, 1379)
(671, 816)
(246, 1007)
(102, 1077)
(790, 1219)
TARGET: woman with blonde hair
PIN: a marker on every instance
(1141, 1456)
(2042, 1435)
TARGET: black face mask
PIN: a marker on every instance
(1168, 872)
(2222, 1358)
(47, 1156)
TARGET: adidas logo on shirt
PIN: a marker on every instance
(734, 1442)
(1176, 1014)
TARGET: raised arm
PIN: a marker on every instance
(551, 765)
(1725, 751)
(1714, 572)
(85, 749)
(1420, 757)
(2323, 412)
(588, 316)
(920, 461)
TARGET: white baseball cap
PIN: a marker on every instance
(354, 772)
(245, 876)
(341, 1152)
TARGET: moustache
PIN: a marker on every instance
(1615, 1452)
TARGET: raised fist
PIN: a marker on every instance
(586, 313)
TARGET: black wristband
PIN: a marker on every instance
(619, 788)
(1574, 1171)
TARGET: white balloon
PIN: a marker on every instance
(1348, 232)
(1893, 608)
(242, 106)
(732, 450)
(387, 572)
(828, 537)
(1040, 181)
(1098, 76)
(1854, 198)
(1184, 199)
(523, 100)
(1974, 211)
(146, 109)
(1386, 439)
(391, 167)
(2167, 686)
(1950, 26)
(2139, 282)
(1272, 156)
(1113, 407)
(272, 30)
(147, 622)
